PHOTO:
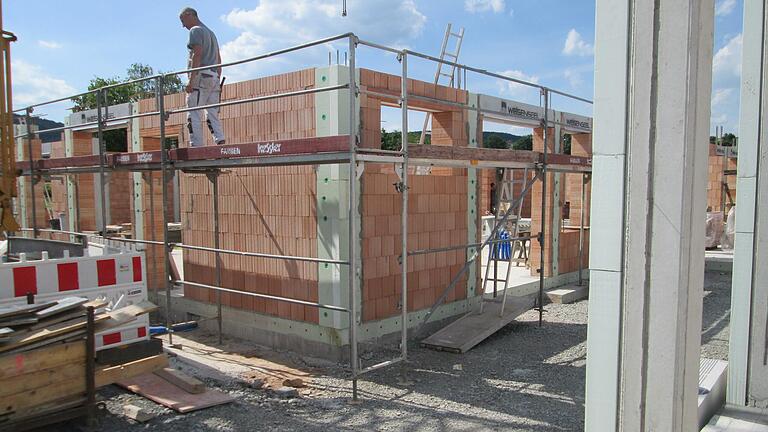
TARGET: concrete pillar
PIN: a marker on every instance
(332, 118)
(653, 65)
(747, 370)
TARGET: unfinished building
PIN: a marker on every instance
(295, 208)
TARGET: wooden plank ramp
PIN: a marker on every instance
(463, 334)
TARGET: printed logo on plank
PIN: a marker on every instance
(269, 148)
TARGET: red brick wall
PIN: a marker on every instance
(487, 176)
(536, 192)
(437, 209)
(120, 187)
(41, 218)
(273, 210)
(270, 210)
(714, 183)
(570, 191)
(437, 215)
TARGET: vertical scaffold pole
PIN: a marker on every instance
(164, 185)
(404, 218)
(28, 120)
(353, 216)
(152, 224)
(542, 234)
(213, 177)
(581, 226)
(102, 155)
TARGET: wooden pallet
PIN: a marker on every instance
(466, 332)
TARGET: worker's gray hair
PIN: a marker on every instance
(188, 11)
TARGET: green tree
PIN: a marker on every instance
(116, 140)
(495, 141)
(391, 140)
(146, 89)
(729, 139)
(115, 95)
(128, 92)
(523, 143)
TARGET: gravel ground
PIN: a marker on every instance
(524, 377)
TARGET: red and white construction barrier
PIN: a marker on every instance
(119, 279)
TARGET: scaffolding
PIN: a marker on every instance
(342, 149)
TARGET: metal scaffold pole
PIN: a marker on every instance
(353, 233)
(100, 106)
(152, 227)
(581, 226)
(404, 219)
(213, 177)
(164, 185)
(542, 234)
(28, 120)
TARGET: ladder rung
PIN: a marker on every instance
(458, 35)
(449, 55)
(446, 75)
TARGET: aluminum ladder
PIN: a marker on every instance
(505, 195)
(445, 56)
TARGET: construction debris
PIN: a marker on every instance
(568, 294)
(167, 394)
(181, 380)
(286, 392)
(256, 383)
(137, 414)
(45, 358)
(294, 382)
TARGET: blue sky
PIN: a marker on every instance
(547, 41)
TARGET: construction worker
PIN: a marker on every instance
(204, 86)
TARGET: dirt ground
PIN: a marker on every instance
(524, 377)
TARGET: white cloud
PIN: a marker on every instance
(724, 7)
(305, 20)
(575, 45)
(49, 44)
(475, 6)
(516, 89)
(721, 96)
(574, 77)
(275, 24)
(31, 84)
(719, 120)
(511, 13)
(727, 60)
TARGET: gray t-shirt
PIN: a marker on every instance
(203, 36)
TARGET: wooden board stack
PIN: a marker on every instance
(43, 357)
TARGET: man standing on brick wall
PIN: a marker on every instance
(204, 87)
